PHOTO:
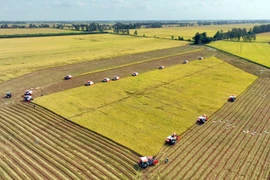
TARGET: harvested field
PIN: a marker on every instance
(38, 144)
(234, 144)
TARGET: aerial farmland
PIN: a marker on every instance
(134, 99)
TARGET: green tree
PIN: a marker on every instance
(135, 33)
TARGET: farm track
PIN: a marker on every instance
(63, 150)
(220, 149)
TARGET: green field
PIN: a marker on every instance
(255, 51)
(140, 112)
(19, 56)
(34, 31)
(189, 31)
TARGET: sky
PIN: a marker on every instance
(55, 10)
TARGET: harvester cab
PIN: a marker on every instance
(8, 95)
(106, 80)
(147, 161)
(115, 78)
(172, 139)
(89, 83)
(232, 98)
(67, 77)
(202, 119)
(135, 74)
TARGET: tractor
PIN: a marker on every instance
(172, 139)
(67, 77)
(185, 61)
(147, 161)
(232, 98)
(135, 74)
(115, 78)
(161, 67)
(28, 98)
(89, 83)
(8, 95)
(202, 119)
(106, 80)
(28, 92)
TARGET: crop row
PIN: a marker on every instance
(46, 146)
(222, 148)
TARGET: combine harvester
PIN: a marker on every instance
(161, 67)
(135, 74)
(172, 139)
(232, 98)
(202, 119)
(89, 83)
(8, 95)
(106, 80)
(147, 161)
(185, 61)
(67, 77)
(115, 78)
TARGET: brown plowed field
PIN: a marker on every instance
(38, 144)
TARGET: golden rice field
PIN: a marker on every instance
(189, 31)
(19, 56)
(263, 37)
(255, 51)
(33, 31)
(140, 112)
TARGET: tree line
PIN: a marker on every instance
(234, 34)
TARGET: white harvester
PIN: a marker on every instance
(89, 83)
(115, 78)
(135, 74)
(106, 80)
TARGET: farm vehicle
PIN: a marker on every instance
(106, 80)
(161, 67)
(147, 161)
(232, 98)
(172, 139)
(89, 83)
(135, 74)
(115, 78)
(67, 77)
(202, 119)
(8, 95)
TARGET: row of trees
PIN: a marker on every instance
(261, 29)
(5, 26)
(234, 34)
